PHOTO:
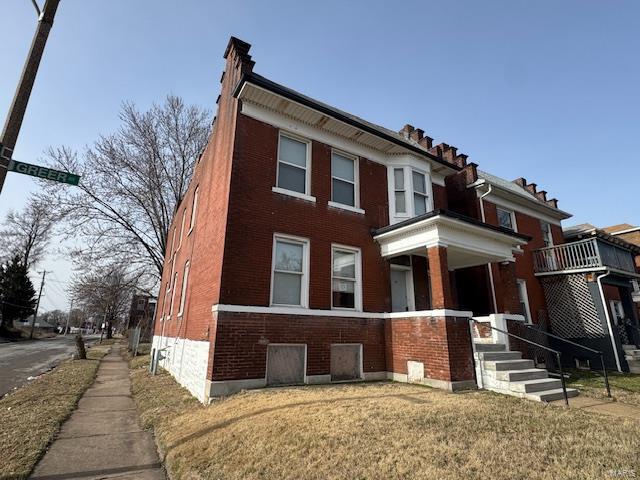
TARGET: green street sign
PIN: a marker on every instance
(43, 172)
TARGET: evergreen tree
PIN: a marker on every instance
(17, 294)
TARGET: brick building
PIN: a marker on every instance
(313, 246)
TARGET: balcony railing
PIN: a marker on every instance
(589, 254)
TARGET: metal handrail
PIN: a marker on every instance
(604, 369)
(549, 349)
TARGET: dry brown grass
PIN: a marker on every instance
(379, 431)
(31, 416)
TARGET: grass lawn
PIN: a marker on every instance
(378, 431)
(625, 387)
(31, 415)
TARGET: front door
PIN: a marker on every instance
(399, 290)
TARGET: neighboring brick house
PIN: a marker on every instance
(142, 313)
(313, 246)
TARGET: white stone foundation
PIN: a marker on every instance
(187, 361)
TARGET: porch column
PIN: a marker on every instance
(509, 298)
(440, 281)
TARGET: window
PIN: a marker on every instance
(344, 178)
(173, 293)
(183, 292)
(524, 299)
(194, 207)
(419, 193)
(547, 237)
(345, 278)
(184, 217)
(506, 218)
(293, 160)
(173, 240)
(289, 285)
(399, 192)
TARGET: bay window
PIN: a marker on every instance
(419, 193)
(399, 191)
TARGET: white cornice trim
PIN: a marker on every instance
(338, 313)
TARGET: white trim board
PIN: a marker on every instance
(337, 313)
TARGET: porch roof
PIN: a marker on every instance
(469, 242)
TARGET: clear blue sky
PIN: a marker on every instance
(547, 90)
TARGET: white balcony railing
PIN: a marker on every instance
(582, 255)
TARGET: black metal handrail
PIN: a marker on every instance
(544, 347)
(593, 350)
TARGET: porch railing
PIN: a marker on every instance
(583, 254)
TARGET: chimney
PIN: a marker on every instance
(471, 172)
(416, 134)
(439, 149)
(531, 188)
(553, 203)
(238, 52)
(426, 142)
(406, 130)
(541, 195)
(461, 160)
(522, 182)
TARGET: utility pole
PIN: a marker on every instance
(68, 317)
(23, 91)
(35, 314)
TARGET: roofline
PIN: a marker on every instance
(452, 215)
(283, 91)
(622, 232)
(564, 215)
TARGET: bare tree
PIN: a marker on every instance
(105, 292)
(132, 182)
(27, 233)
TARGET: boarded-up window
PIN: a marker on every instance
(346, 362)
(285, 364)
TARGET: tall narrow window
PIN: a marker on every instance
(194, 207)
(505, 218)
(184, 218)
(290, 272)
(173, 240)
(399, 191)
(345, 278)
(183, 292)
(547, 237)
(293, 164)
(419, 193)
(343, 179)
(173, 293)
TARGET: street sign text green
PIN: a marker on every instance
(43, 172)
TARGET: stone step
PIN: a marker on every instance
(538, 385)
(490, 347)
(551, 395)
(507, 364)
(498, 355)
(521, 375)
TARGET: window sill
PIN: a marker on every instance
(291, 193)
(346, 207)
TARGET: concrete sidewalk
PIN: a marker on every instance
(603, 406)
(103, 438)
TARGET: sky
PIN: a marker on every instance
(547, 90)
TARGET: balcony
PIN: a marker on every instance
(582, 256)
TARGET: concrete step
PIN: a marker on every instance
(551, 395)
(521, 375)
(507, 364)
(490, 347)
(498, 355)
(538, 385)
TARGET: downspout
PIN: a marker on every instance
(608, 318)
(489, 269)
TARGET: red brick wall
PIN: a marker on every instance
(256, 213)
(439, 197)
(524, 263)
(242, 339)
(204, 246)
(442, 344)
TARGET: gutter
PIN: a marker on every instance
(608, 318)
(305, 101)
(489, 269)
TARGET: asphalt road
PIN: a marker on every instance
(21, 360)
